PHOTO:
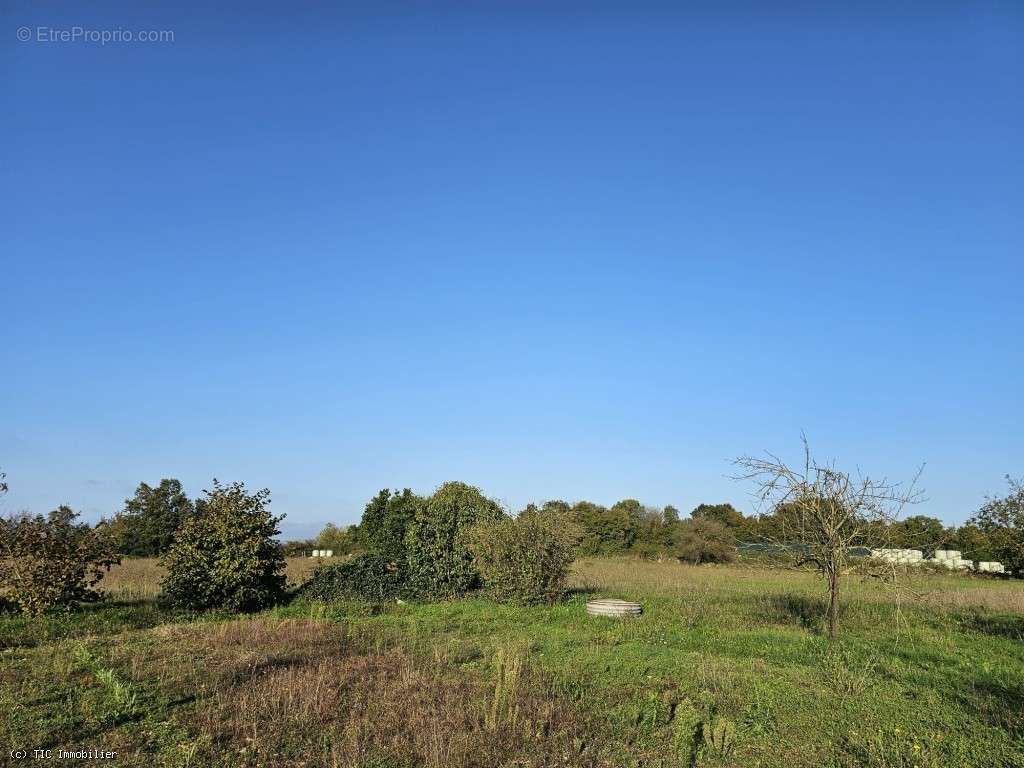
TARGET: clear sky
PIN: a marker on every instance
(557, 250)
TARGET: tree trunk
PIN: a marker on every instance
(833, 605)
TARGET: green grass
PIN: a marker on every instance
(727, 666)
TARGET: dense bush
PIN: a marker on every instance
(523, 560)
(52, 561)
(225, 556)
(438, 560)
(704, 541)
(386, 521)
(369, 577)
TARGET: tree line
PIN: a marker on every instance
(148, 520)
(994, 532)
(432, 544)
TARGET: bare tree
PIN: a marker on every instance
(827, 511)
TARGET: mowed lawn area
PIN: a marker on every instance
(728, 666)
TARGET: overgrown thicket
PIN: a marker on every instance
(450, 543)
(225, 555)
(416, 546)
(440, 563)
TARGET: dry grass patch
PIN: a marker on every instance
(279, 692)
(138, 578)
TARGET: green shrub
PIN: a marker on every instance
(368, 577)
(439, 562)
(523, 560)
(225, 555)
(52, 561)
(704, 541)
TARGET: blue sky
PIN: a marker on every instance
(554, 250)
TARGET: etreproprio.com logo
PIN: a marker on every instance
(76, 34)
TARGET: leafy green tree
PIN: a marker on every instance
(1002, 521)
(555, 507)
(726, 514)
(742, 527)
(655, 533)
(151, 517)
(386, 521)
(781, 526)
(626, 516)
(973, 542)
(52, 561)
(605, 531)
(589, 519)
(226, 556)
(671, 514)
(920, 532)
(439, 562)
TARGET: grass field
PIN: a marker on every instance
(727, 667)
